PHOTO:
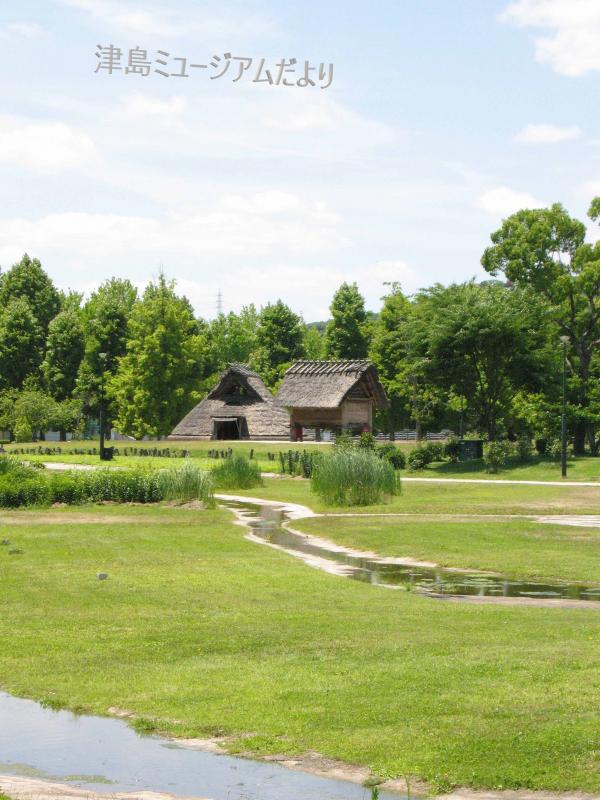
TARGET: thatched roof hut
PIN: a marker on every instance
(239, 407)
(340, 395)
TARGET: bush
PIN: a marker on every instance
(452, 449)
(366, 441)
(420, 457)
(554, 450)
(185, 483)
(496, 455)
(393, 454)
(237, 472)
(349, 477)
(26, 491)
(417, 459)
(524, 448)
(343, 441)
(23, 431)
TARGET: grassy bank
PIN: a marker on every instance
(201, 632)
(445, 498)
(517, 548)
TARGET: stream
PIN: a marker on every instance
(268, 524)
(106, 755)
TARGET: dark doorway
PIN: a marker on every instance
(227, 429)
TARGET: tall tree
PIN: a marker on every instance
(64, 352)
(390, 354)
(347, 334)
(105, 318)
(280, 340)
(545, 249)
(313, 343)
(483, 343)
(21, 343)
(232, 337)
(157, 380)
(27, 280)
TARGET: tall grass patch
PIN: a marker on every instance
(237, 472)
(186, 483)
(354, 477)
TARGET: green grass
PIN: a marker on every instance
(517, 548)
(446, 498)
(584, 468)
(199, 631)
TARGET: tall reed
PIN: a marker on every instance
(353, 477)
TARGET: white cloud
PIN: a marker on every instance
(262, 224)
(152, 20)
(571, 42)
(547, 134)
(44, 146)
(28, 30)
(503, 201)
(318, 282)
(140, 106)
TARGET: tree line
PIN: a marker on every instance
(482, 357)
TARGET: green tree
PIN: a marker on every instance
(105, 318)
(64, 352)
(484, 343)
(280, 340)
(21, 343)
(27, 280)
(545, 249)
(232, 338)
(347, 333)
(314, 348)
(157, 379)
(390, 354)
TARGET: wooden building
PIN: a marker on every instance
(335, 395)
(239, 407)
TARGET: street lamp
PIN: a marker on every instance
(102, 357)
(563, 449)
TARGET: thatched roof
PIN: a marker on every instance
(240, 393)
(326, 384)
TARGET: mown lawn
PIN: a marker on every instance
(583, 468)
(446, 498)
(201, 632)
(519, 548)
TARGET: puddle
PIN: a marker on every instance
(433, 581)
(106, 755)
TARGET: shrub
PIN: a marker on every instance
(452, 449)
(185, 483)
(393, 454)
(367, 441)
(554, 450)
(524, 448)
(349, 477)
(496, 455)
(237, 472)
(26, 491)
(343, 441)
(23, 431)
(418, 458)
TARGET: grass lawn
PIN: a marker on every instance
(202, 632)
(198, 451)
(445, 498)
(517, 548)
(583, 468)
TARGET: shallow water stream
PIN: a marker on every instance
(433, 581)
(106, 755)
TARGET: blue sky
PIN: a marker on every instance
(442, 118)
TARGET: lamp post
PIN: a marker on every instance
(563, 449)
(102, 357)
